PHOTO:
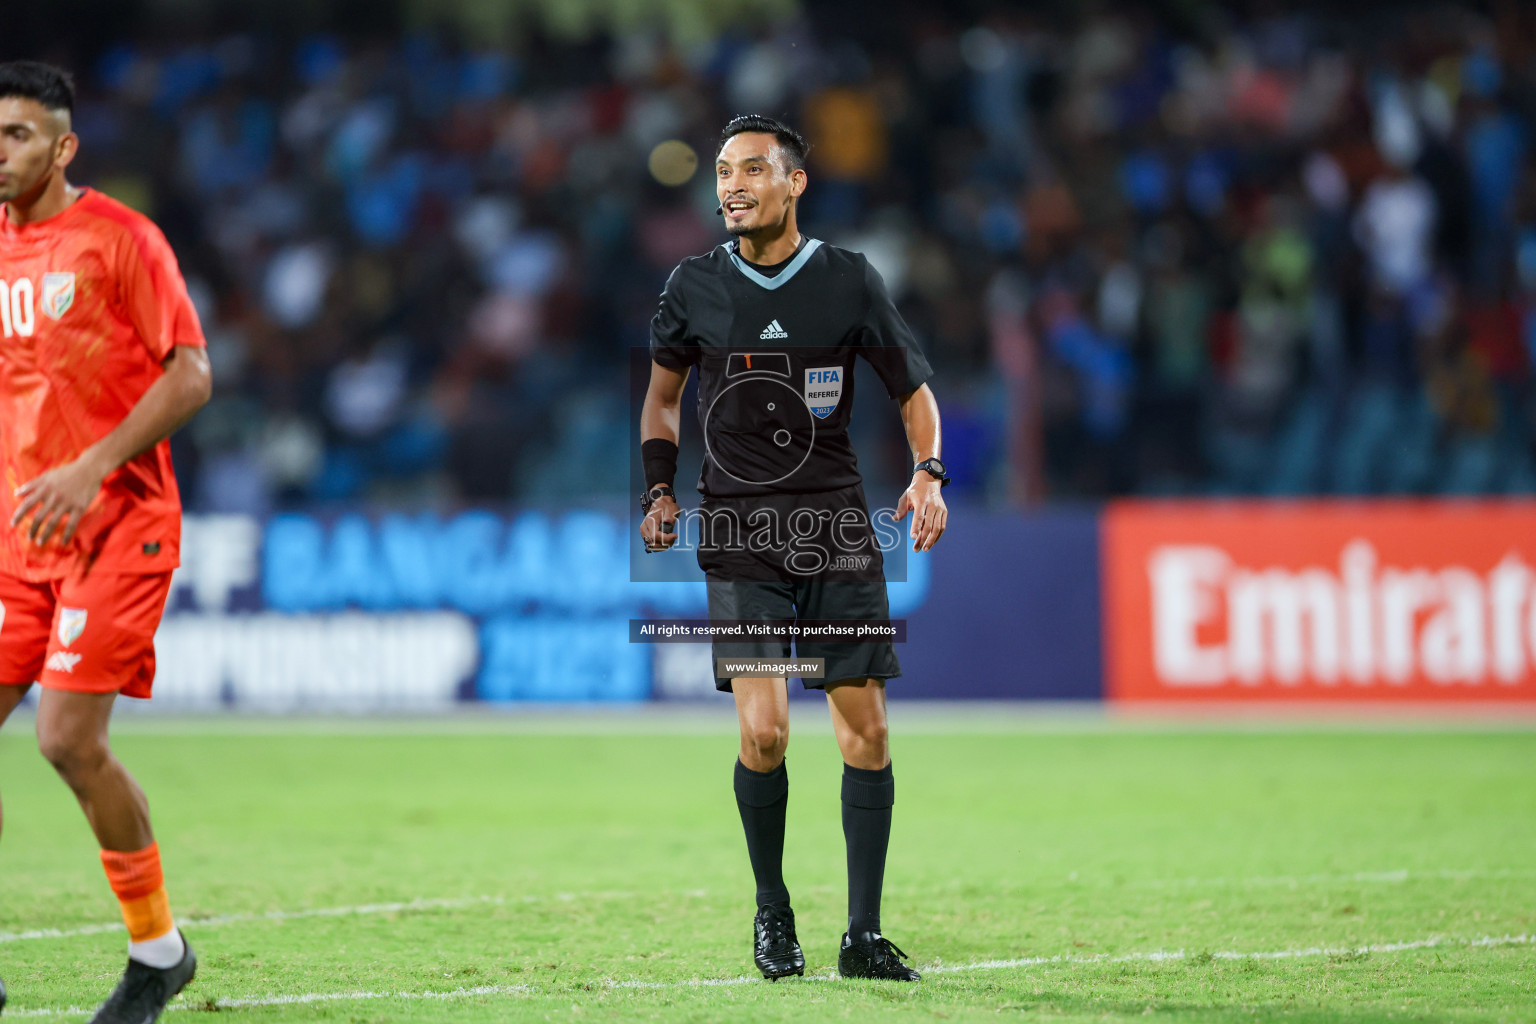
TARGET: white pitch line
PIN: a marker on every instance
(303, 998)
(362, 910)
(1159, 956)
(271, 915)
(1156, 956)
(1393, 877)
(1397, 876)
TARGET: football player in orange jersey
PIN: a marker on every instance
(101, 359)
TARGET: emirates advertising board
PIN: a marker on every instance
(1316, 601)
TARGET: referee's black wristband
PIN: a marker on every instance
(659, 457)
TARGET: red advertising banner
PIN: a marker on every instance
(1319, 601)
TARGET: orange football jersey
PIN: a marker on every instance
(91, 304)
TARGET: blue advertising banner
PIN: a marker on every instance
(355, 612)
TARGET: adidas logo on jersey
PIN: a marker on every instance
(773, 330)
(63, 661)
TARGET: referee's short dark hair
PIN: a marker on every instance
(51, 86)
(790, 141)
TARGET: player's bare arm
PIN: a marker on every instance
(59, 498)
(920, 416)
(661, 419)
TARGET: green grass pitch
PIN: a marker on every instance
(500, 870)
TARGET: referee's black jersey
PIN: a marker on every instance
(775, 357)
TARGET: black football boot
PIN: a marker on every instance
(775, 949)
(878, 959)
(142, 994)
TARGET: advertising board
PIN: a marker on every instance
(1320, 601)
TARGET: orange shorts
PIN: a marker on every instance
(92, 635)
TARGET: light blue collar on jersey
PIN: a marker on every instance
(783, 276)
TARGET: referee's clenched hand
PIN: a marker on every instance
(929, 513)
(664, 510)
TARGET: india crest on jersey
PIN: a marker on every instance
(823, 388)
(71, 625)
(58, 294)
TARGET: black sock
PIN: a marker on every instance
(762, 798)
(867, 799)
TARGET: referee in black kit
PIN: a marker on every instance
(774, 320)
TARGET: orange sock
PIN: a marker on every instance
(140, 887)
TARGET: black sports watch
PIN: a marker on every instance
(652, 496)
(934, 468)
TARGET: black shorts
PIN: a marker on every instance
(761, 601)
(824, 563)
(790, 537)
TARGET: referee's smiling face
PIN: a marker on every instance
(755, 184)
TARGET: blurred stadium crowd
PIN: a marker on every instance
(1272, 254)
